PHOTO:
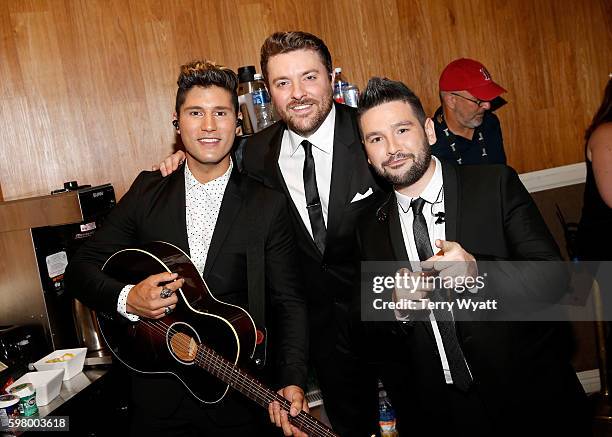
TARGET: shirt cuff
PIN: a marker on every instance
(416, 312)
(402, 316)
(122, 304)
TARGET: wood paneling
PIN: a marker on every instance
(87, 86)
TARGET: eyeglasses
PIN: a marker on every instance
(479, 102)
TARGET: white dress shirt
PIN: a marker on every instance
(291, 163)
(203, 203)
(433, 194)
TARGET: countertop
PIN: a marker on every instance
(71, 388)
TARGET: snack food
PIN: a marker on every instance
(67, 356)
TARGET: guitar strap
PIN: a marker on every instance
(256, 290)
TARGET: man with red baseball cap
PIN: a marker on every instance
(467, 131)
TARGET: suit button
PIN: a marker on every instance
(324, 267)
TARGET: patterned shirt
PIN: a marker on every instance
(203, 203)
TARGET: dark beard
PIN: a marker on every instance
(414, 173)
(317, 120)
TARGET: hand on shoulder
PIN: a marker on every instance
(170, 163)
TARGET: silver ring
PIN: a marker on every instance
(167, 310)
(165, 293)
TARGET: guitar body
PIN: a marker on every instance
(170, 345)
(202, 342)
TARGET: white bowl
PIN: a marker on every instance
(71, 367)
(47, 384)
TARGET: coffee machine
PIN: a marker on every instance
(38, 236)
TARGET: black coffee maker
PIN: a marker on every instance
(39, 236)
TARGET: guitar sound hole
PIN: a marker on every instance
(184, 346)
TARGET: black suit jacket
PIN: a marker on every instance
(521, 370)
(328, 277)
(250, 216)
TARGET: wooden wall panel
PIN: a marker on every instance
(87, 86)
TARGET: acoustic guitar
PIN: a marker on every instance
(201, 333)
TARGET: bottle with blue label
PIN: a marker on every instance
(386, 414)
(264, 111)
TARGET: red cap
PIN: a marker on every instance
(472, 76)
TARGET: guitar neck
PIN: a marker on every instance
(250, 387)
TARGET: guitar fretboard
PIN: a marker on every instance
(241, 381)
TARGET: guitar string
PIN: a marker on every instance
(214, 359)
(209, 360)
(199, 355)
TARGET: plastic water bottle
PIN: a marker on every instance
(264, 111)
(246, 77)
(339, 85)
(246, 80)
(386, 414)
(351, 95)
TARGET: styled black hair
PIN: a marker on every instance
(205, 74)
(382, 90)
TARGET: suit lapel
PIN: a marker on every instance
(396, 235)
(298, 219)
(451, 200)
(452, 217)
(346, 144)
(230, 206)
(274, 178)
(399, 245)
(175, 205)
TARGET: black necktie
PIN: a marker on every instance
(419, 229)
(446, 325)
(313, 203)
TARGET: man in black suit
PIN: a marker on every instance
(448, 377)
(314, 156)
(325, 204)
(238, 235)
